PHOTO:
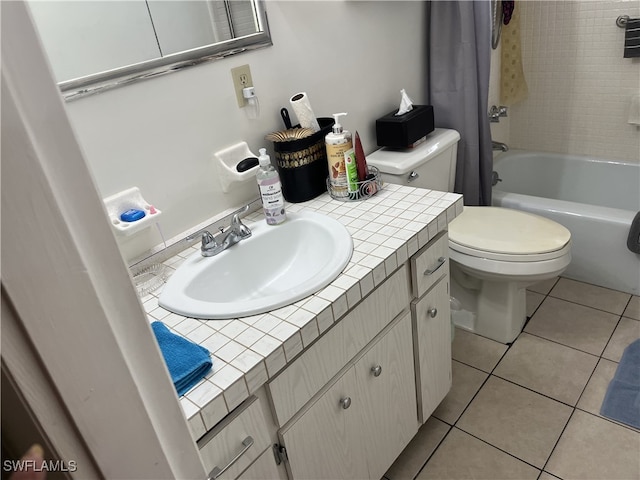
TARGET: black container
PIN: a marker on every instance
(302, 164)
(403, 130)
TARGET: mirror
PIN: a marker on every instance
(96, 45)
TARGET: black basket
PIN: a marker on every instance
(302, 164)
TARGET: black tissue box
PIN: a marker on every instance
(404, 130)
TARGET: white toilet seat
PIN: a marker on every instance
(502, 241)
(512, 269)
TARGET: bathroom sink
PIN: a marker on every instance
(276, 266)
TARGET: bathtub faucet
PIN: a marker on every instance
(499, 146)
(496, 112)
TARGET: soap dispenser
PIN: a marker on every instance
(337, 143)
(270, 190)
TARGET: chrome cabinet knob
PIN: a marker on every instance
(377, 370)
(433, 311)
(345, 402)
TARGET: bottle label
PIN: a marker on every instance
(352, 170)
(337, 167)
(273, 203)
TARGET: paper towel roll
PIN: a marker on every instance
(302, 108)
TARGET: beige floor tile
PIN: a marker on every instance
(414, 456)
(543, 287)
(547, 476)
(466, 382)
(533, 302)
(516, 420)
(477, 351)
(633, 309)
(594, 448)
(626, 332)
(591, 295)
(533, 363)
(577, 326)
(462, 457)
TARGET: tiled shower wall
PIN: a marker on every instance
(580, 86)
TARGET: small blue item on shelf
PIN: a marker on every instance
(132, 215)
(187, 362)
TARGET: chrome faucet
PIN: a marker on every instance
(236, 232)
(496, 112)
(499, 146)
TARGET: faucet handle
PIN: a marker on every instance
(239, 227)
(208, 240)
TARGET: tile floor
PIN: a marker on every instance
(531, 410)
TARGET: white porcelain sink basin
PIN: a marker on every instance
(276, 266)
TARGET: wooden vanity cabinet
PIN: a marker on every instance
(349, 404)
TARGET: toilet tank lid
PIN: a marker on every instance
(503, 230)
(401, 161)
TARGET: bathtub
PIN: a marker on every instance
(595, 199)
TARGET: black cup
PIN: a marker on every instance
(302, 164)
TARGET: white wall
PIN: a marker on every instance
(160, 134)
(580, 86)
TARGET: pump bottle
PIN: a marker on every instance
(337, 143)
(270, 190)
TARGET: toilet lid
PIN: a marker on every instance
(507, 231)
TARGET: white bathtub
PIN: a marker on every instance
(595, 199)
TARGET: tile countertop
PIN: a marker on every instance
(386, 229)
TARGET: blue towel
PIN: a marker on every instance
(622, 400)
(187, 362)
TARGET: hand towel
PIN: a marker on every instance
(187, 362)
(513, 86)
(632, 38)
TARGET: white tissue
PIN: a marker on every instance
(304, 112)
(406, 105)
(634, 111)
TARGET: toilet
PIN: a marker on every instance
(495, 253)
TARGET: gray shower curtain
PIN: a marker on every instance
(459, 41)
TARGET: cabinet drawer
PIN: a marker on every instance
(430, 264)
(432, 344)
(303, 378)
(238, 441)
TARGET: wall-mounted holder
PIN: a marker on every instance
(227, 162)
(129, 199)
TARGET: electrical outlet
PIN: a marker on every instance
(241, 79)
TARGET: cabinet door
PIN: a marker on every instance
(324, 442)
(386, 389)
(432, 343)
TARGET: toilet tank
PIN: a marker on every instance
(432, 164)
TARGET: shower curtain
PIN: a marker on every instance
(459, 41)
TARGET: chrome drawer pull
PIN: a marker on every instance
(433, 311)
(441, 262)
(345, 402)
(377, 370)
(216, 472)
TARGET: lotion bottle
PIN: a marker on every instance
(337, 143)
(270, 190)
